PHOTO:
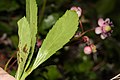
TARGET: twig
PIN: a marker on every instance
(12, 64)
(98, 66)
(83, 33)
(116, 77)
(81, 26)
(5, 68)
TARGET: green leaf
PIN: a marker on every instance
(58, 36)
(24, 45)
(31, 15)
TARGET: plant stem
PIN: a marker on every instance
(81, 26)
(5, 68)
(12, 64)
(25, 74)
(76, 38)
(116, 77)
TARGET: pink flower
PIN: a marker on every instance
(104, 28)
(78, 10)
(89, 49)
(85, 39)
(93, 47)
(39, 42)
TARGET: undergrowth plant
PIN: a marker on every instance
(60, 34)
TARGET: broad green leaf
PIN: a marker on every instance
(24, 45)
(58, 36)
(31, 15)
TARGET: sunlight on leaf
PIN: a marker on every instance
(59, 35)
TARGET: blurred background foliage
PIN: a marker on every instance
(69, 63)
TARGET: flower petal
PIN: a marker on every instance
(93, 48)
(74, 8)
(78, 10)
(98, 30)
(101, 22)
(107, 20)
(102, 36)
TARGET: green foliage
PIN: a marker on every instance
(52, 73)
(31, 15)
(29, 25)
(58, 36)
(80, 66)
(101, 66)
(24, 45)
(9, 5)
(4, 28)
(105, 6)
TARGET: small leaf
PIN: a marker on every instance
(31, 15)
(24, 45)
(58, 36)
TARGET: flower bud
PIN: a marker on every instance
(87, 50)
(39, 42)
(93, 48)
(85, 39)
(78, 10)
